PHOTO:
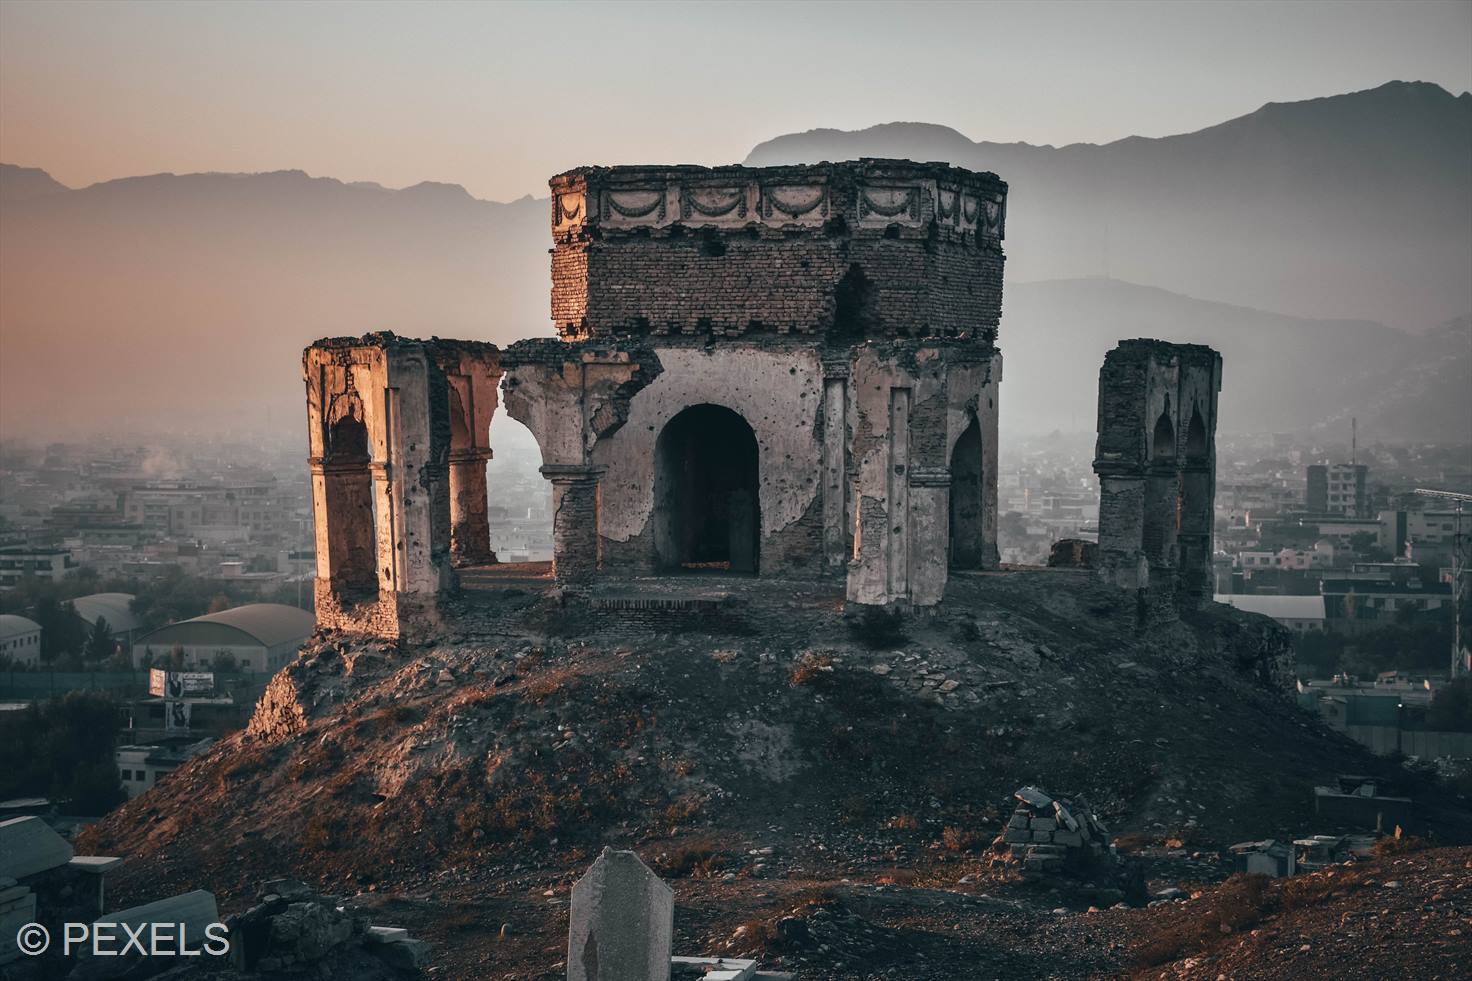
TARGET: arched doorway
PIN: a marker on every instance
(1162, 495)
(966, 501)
(707, 511)
(352, 538)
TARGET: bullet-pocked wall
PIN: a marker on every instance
(785, 371)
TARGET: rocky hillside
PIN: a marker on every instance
(465, 785)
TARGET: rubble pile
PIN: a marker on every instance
(293, 930)
(1046, 835)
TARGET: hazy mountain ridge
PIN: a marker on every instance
(1280, 373)
(25, 183)
(1353, 205)
(186, 299)
(211, 284)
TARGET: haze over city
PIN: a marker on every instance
(803, 491)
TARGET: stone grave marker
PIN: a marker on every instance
(622, 922)
(28, 845)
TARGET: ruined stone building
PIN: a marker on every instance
(785, 372)
(1156, 462)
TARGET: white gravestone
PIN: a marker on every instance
(622, 922)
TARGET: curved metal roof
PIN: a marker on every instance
(13, 626)
(267, 624)
(115, 608)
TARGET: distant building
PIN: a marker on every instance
(20, 639)
(48, 564)
(1430, 533)
(1297, 613)
(259, 637)
(140, 767)
(1356, 603)
(1338, 488)
(116, 609)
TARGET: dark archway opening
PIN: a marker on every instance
(351, 530)
(855, 312)
(1196, 450)
(1163, 444)
(1162, 496)
(966, 499)
(707, 511)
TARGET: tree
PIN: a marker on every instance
(63, 749)
(219, 603)
(62, 633)
(1451, 707)
(100, 642)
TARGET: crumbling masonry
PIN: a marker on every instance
(1156, 461)
(783, 371)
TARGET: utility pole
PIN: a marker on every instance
(1459, 568)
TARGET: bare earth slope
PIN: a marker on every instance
(802, 784)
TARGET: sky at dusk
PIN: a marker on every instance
(498, 96)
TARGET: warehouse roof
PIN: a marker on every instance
(266, 624)
(115, 608)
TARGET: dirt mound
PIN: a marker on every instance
(739, 766)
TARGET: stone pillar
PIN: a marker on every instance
(930, 530)
(470, 529)
(1121, 529)
(342, 508)
(575, 505)
(897, 530)
(836, 550)
(1197, 505)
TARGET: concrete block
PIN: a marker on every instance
(95, 864)
(1044, 824)
(195, 910)
(386, 935)
(1071, 838)
(1035, 797)
(28, 845)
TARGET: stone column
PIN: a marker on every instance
(1121, 530)
(470, 529)
(575, 506)
(1195, 541)
(930, 530)
(342, 505)
(897, 532)
(836, 551)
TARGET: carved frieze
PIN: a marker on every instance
(634, 206)
(784, 204)
(567, 209)
(890, 205)
(697, 203)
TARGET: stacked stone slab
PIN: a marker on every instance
(1156, 462)
(42, 881)
(1047, 834)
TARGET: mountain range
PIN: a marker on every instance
(183, 301)
(1356, 206)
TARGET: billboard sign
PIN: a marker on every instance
(179, 684)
